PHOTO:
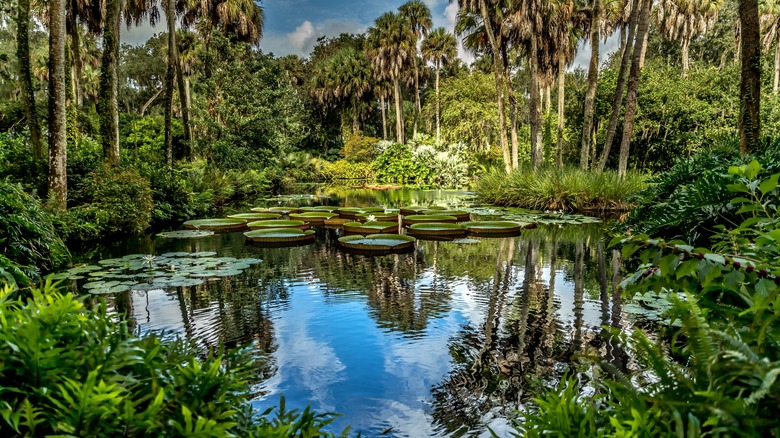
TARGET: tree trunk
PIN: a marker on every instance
(109, 113)
(438, 105)
(776, 81)
(399, 113)
(417, 107)
(58, 179)
(561, 97)
(77, 67)
(537, 153)
(633, 87)
(643, 51)
(25, 77)
(750, 80)
(512, 108)
(384, 116)
(150, 101)
(170, 18)
(547, 99)
(590, 93)
(499, 76)
(686, 44)
(355, 121)
(617, 99)
(185, 109)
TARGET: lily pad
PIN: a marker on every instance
(429, 218)
(418, 209)
(501, 228)
(255, 216)
(280, 235)
(378, 243)
(186, 234)
(313, 217)
(216, 224)
(437, 230)
(374, 227)
(278, 223)
(321, 209)
(460, 215)
(336, 222)
(278, 210)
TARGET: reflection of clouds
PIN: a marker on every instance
(156, 310)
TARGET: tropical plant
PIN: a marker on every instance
(343, 80)
(685, 19)
(418, 15)
(440, 47)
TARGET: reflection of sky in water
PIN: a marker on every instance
(335, 348)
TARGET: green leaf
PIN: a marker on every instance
(769, 184)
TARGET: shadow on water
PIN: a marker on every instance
(443, 341)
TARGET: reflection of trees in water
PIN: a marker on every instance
(521, 338)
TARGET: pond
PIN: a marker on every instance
(441, 341)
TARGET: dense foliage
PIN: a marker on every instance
(713, 367)
(69, 368)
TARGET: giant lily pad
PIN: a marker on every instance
(278, 210)
(373, 217)
(321, 209)
(460, 215)
(552, 218)
(255, 216)
(378, 243)
(276, 236)
(500, 228)
(418, 209)
(429, 218)
(278, 223)
(350, 212)
(216, 224)
(313, 217)
(437, 230)
(186, 234)
(373, 227)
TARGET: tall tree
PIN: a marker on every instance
(390, 47)
(750, 80)
(770, 27)
(25, 77)
(343, 80)
(108, 105)
(418, 15)
(593, 77)
(173, 61)
(684, 19)
(57, 179)
(633, 86)
(440, 47)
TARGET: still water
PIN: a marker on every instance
(443, 341)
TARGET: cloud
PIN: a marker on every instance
(451, 15)
(302, 40)
(301, 36)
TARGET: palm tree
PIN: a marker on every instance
(173, 62)
(418, 16)
(750, 80)
(569, 25)
(107, 107)
(684, 19)
(58, 179)
(390, 47)
(440, 47)
(25, 77)
(343, 78)
(633, 85)
(770, 26)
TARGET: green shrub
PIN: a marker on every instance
(110, 201)
(397, 165)
(17, 164)
(342, 169)
(28, 240)
(712, 370)
(552, 188)
(68, 369)
(360, 149)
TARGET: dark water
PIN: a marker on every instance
(439, 342)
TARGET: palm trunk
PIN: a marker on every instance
(150, 101)
(438, 104)
(535, 108)
(547, 100)
(644, 50)
(417, 107)
(77, 67)
(561, 97)
(686, 44)
(633, 86)
(750, 81)
(399, 113)
(617, 99)
(590, 94)
(384, 116)
(169, 78)
(776, 81)
(58, 179)
(499, 76)
(185, 110)
(25, 77)
(107, 108)
(355, 122)
(512, 109)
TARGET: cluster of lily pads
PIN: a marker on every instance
(141, 272)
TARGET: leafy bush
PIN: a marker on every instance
(567, 189)
(360, 149)
(29, 242)
(691, 198)
(397, 164)
(71, 369)
(110, 201)
(17, 164)
(714, 366)
(343, 169)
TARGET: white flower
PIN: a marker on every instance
(371, 218)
